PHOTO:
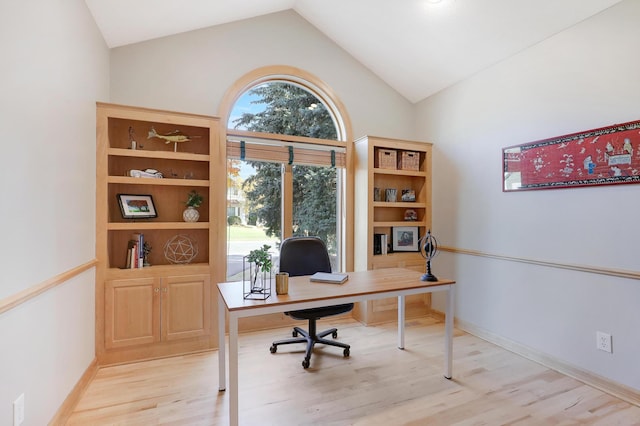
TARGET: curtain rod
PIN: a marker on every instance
(281, 143)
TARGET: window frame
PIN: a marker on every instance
(310, 83)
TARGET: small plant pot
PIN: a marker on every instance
(190, 214)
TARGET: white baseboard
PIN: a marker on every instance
(69, 404)
(618, 390)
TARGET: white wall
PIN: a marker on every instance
(54, 68)
(582, 78)
(192, 71)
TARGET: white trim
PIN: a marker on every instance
(604, 384)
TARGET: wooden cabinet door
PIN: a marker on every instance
(186, 306)
(132, 312)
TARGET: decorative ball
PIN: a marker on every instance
(180, 249)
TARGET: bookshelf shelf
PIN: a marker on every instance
(159, 182)
(155, 225)
(420, 224)
(139, 153)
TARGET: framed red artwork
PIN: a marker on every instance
(604, 156)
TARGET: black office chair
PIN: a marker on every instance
(306, 256)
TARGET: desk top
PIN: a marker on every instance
(359, 284)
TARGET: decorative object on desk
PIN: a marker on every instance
(377, 194)
(180, 249)
(410, 215)
(258, 263)
(604, 156)
(176, 137)
(428, 250)
(282, 283)
(405, 238)
(137, 206)
(408, 195)
(390, 195)
(194, 201)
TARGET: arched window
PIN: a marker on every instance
(288, 153)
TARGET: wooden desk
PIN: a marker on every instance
(303, 294)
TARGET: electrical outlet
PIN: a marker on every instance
(18, 410)
(603, 341)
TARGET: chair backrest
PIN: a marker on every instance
(304, 256)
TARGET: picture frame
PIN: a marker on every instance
(405, 238)
(137, 206)
(604, 156)
(408, 195)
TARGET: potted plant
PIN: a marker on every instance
(194, 200)
(260, 265)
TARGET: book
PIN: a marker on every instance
(132, 256)
(138, 238)
(377, 244)
(332, 278)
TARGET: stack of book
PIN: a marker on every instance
(135, 251)
(379, 243)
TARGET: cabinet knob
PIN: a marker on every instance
(156, 290)
(165, 289)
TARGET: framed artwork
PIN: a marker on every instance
(137, 206)
(408, 195)
(605, 156)
(405, 238)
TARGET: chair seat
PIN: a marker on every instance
(321, 312)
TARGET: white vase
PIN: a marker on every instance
(190, 214)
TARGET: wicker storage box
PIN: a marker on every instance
(409, 160)
(387, 158)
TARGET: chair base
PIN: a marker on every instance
(311, 338)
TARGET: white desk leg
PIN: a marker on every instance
(448, 330)
(222, 378)
(400, 322)
(233, 370)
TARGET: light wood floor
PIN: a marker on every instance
(377, 385)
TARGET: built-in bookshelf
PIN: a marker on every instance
(393, 201)
(156, 302)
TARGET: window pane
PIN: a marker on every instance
(253, 194)
(283, 108)
(315, 199)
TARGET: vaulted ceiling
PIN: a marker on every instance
(418, 47)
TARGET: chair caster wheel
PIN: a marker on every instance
(305, 363)
(273, 349)
(346, 352)
(334, 334)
